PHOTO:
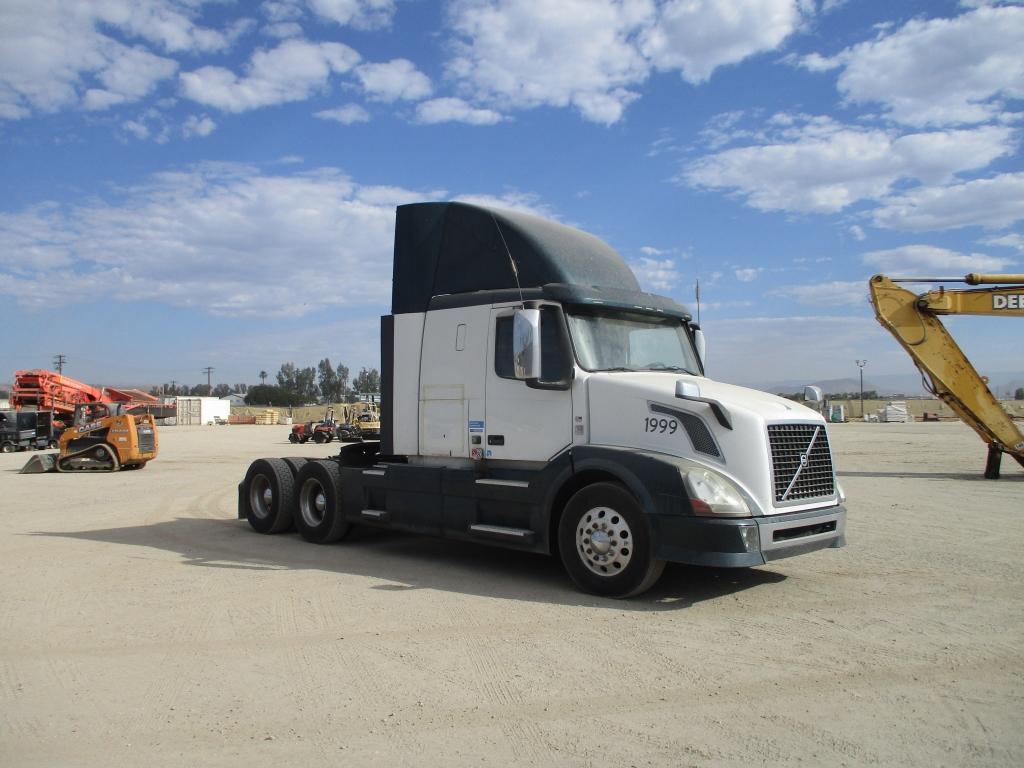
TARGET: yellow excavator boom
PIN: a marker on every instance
(914, 320)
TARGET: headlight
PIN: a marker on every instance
(712, 494)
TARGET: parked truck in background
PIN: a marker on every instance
(28, 430)
(534, 397)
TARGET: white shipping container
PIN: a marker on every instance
(202, 410)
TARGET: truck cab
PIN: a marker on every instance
(535, 397)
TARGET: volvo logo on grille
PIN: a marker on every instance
(803, 460)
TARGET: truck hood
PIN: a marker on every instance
(655, 385)
(641, 410)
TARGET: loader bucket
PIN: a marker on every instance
(41, 462)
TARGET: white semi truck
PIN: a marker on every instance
(533, 397)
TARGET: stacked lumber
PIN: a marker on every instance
(268, 416)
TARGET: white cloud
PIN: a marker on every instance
(223, 228)
(814, 164)
(346, 115)
(453, 110)
(53, 54)
(362, 14)
(832, 294)
(283, 30)
(1012, 240)
(393, 80)
(938, 71)
(292, 71)
(747, 274)
(857, 233)
(198, 126)
(136, 128)
(656, 275)
(996, 202)
(698, 36)
(592, 54)
(927, 257)
(522, 54)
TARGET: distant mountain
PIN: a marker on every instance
(1003, 384)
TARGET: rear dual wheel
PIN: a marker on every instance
(269, 493)
(318, 500)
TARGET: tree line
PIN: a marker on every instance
(321, 384)
(295, 386)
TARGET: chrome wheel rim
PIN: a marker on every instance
(604, 541)
(261, 497)
(312, 503)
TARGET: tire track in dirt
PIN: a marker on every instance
(527, 740)
(313, 645)
(14, 720)
(170, 674)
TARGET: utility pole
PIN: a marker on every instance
(861, 364)
(208, 370)
(58, 363)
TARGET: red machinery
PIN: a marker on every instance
(50, 391)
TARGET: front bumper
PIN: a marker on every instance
(743, 542)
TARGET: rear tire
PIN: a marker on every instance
(605, 542)
(319, 437)
(318, 515)
(269, 494)
(7, 448)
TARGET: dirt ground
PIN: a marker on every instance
(142, 625)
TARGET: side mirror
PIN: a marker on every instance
(701, 344)
(526, 343)
(813, 394)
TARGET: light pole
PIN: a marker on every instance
(861, 364)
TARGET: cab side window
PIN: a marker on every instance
(554, 362)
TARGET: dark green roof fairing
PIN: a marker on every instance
(457, 248)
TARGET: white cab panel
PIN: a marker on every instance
(406, 382)
(451, 381)
(523, 424)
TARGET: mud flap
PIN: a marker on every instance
(41, 462)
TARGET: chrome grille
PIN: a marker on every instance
(801, 462)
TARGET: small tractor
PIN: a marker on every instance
(103, 438)
(317, 431)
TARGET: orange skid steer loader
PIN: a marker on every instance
(103, 438)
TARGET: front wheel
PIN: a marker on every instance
(318, 493)
(293, 438)
(7, 447)
(605, 542)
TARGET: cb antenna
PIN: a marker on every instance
(515, 270)
(697, 292)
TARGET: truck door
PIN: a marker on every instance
(523, 423)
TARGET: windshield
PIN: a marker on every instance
(617, 340)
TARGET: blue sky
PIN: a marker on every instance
(191, 184)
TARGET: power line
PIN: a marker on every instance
(208, 371)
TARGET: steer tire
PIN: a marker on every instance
(268, 494)
(318, 515)
(605, 542)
